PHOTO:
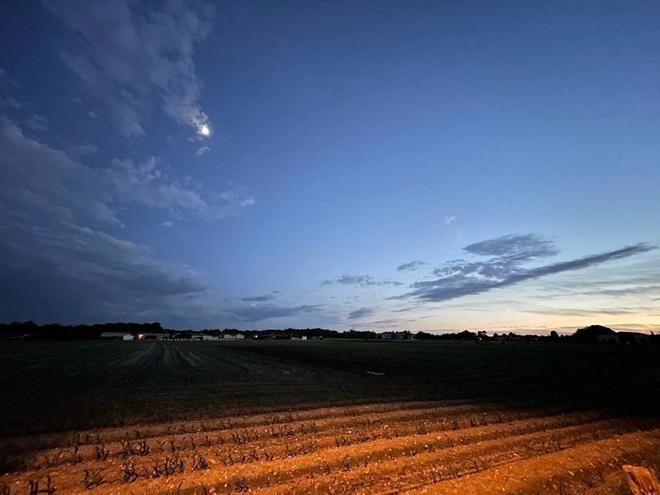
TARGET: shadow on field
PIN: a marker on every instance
(623, 380)
(68, 386)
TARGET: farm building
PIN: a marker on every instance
(153, 336)
(233, 336)
(206, 337)
(634, 338)
(117, 336)
(405, 335)
(607, 339)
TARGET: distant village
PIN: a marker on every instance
(595, 334)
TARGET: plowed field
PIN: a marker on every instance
(564, 437)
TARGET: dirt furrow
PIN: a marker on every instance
(298, 437)
(291, 472)
(565, 472)
(428, 462)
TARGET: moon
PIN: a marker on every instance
(204, 130)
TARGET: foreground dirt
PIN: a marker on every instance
(411, 447)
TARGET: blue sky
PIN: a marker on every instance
(371, 165)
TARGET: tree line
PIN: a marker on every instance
(590, 334)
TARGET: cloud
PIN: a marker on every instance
(624, 291)
(8, 102)
(202, 151)
(585, 312)
(146, 183)
(388, 322)
(462, 278)
(61, 261)
(263, 298)
(360, 280)
(81, 150)
(37, 176)
(527, 246)
(132, 57)
(6, 81)
(37, 123)
(70, 273)
(266, 312)
(360, 313)
(640, 278)
(8, 85)
(449, 219)
(410, 266)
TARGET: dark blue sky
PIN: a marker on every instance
(423, 165)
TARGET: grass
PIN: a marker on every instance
(58, 386)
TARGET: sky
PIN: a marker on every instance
(418, 165)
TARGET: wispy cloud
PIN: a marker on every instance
(410, 266)
(131, 57)
(585, 312)
(6, 81)
(624, 291)
(202, 151)
(37, 123)
(81, 150)
(266, 312)
(7, 86)
(506, 267)
(449, 219)
(360, 313)
(515, 246)
(263, 298)
(147, 183)
(360, 281)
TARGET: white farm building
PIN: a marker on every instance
(117, 336)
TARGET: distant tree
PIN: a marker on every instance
(466, 335)
(592, 332)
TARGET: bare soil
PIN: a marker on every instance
(430, 447)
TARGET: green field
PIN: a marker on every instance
(56, 386)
